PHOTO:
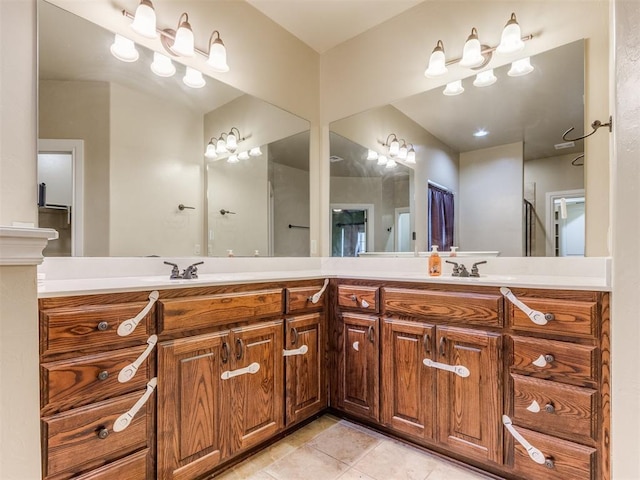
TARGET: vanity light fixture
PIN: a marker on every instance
(217, 53)
(511, 39)
(183, 42)
(393, 144)
(382, 160)
(411, 155)
(193, 78)
(472, 51)
(255, 152)
(453, 88)
(144, 20)
(233, 159)
(162, 65)
(391, 164)
(520, 67)
(124, 49)
(437, 64)
(221, 145)
(233, 139)
(403, 152)
(484, 79)
(243, 155)
(372, 154)
(210, 151)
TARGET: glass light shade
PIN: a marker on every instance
(382, 160)
(391, 163)
(372, 155)
(221, 146)
(193, 78)
(437, 64)
(232, 142)
(511, 40)
(218, 56)
(183, 43)
(484, 79)
(402, 154)
(232, 159)
(472, 51)
(243, 156)
(520, 67)
(411, 156)
(255, 152)
(210, 152)
(394, 148)
(162, 65)
(453, 88)
(144, 20)
(124, 49)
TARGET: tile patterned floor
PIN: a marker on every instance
(334, 449)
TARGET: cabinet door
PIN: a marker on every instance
(469, 407)
(359, 366)
(190, 411)
(254, 400)
(408, 386)
(306, 391)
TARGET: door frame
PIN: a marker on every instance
(369, 207)
(551, 197)
(396, 236)
(76, 149)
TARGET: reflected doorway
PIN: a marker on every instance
(403, 230)
(566, 229)
(350, 230)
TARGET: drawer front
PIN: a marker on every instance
(208, 311)
(570, 318)
(470, 308)
(365, 299)
(72, 438)
(555, 408)
(80, 381)
(133, 467)
(561, 361)
(299, 299)
(570, 461)
(91, 328)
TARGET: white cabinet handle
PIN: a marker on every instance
(315, 298)
(298, 351)
(459, 370)
(535, 316)
(361, 301)
(253, 368)
(356, 346)
(128, 326)
(535, 454)
(124, 420)
(128, 372)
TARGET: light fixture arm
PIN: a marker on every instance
(386, 142)
(217, 39)
(239, 137)
(485, 51)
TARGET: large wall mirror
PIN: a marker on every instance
(516, 187)
(122, 170)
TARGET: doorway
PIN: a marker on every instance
(566, 223)
(351, 230)
(403, 230)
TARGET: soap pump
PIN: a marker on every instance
(435, 264)
(453, 252)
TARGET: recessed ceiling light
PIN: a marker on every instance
(481, 133)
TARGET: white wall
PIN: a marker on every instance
(490, 200)
(550, 175)
(291, 206)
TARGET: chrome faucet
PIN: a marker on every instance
(474, 269)
(175, 271)
(456, 268)
(191, 271)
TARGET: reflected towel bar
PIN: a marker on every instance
(297, 226)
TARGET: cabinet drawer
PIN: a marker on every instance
(470, 308)
(357, 297)
(561, 361)
(570, 461)
(91, 328)
(555, 408)
(299, 299)
(571, 318)
(72, 439)
(133, 467)
(195, 313)
(80, 381)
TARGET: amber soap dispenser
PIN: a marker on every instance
(435, 263)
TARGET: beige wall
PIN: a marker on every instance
(490, 200)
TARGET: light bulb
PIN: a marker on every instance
(162, 65)
(484, 79)
(193, 78)
(144, 20)
(124, 49)
(520, 67)
(453, 88)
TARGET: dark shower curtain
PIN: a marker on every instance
(440, 218)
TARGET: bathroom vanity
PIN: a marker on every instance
(179, 381)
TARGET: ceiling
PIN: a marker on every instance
(323, 24)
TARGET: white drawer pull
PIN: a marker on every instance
(360, 301)
(128, 326)
(315, 298)
(298, 351)
(534, 407)
(356, 346)
(128, 372)
(124, 420)
(535, 316)
(459, 370)
(535, 454)
(253, 368)
(543, 360)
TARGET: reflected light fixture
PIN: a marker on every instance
(221, 145)
(391, 163)
(144, 20)
(162, 65)
(411, 155)
(481, 132)
(255, 152)
(511, 39)
(232, 159)
(382, 160)
(402, 153)
(372, 154)
(217, 53)
(243, 155)
(124, 49)
(484, 79)
(437, 65)
(520, 67)
(193, 78)
(233, 139)
(210, 152)
(392, 144)
(472, 51)
(183, 43)
(453, 88)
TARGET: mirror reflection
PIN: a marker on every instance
(139, 183)
(516, 186)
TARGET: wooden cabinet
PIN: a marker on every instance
(219, 394)
(358, 365)
(305, 372)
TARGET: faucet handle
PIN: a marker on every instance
(175, 271)
(191, 271)
(456, 268)
(474, 268)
